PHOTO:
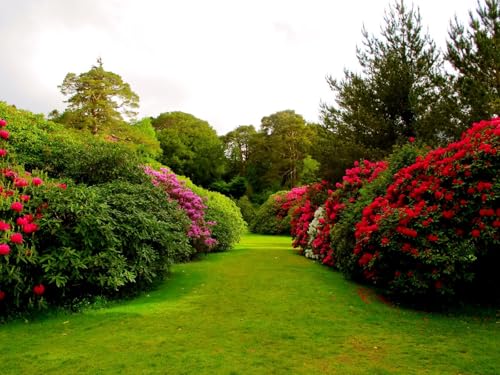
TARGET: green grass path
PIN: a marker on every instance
(259, 309)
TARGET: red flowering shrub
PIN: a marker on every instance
(436, 227)
(302, 215)
(318, 238)
(346, 194)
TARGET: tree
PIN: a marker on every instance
(237, 148)
(400, 92)
(97, 98)
(190, 147)
(475, 55)
(286, 142)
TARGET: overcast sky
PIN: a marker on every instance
(227, 62)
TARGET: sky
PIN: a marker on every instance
(229, 62)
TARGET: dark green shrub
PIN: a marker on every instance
(113, 239)
(247, 208)
(270, 217)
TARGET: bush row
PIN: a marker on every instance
(423, 224)
(113, 236)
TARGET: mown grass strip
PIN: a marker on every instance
(259, 309)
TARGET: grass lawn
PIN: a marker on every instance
(259, 309)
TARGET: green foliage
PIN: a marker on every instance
(64, 153)
(115, 239)
(238, 146)
(247, 208)
(234, 188)
(286, 142)
(139, 136)
(475, 55)
(190, 147)
(270, 217)
(221, 210)
(310, 168)
(97, 99)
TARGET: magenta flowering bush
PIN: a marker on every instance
(192, 204)
(20, 282)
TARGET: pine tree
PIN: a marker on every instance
(475, 55)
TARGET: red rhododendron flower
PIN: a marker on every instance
(36, 181)
(487, 212)
(2, 293)
(4, 226)
(22, 221)
(30, 228)
(3, 152)
(475, 233)
(411, 139)
(4, 134)
(4, 249)
(17, 206)
(365, 259)
(63, 186)
(20, 182)
(24, 198)
(39, 289)
(385, 241)
(438, 284)
(3, 123)
(16, 238)
(432, 237)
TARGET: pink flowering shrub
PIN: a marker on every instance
(20, 282)
(274, 215)
(199, 231)
(303, 213)
(436, 228)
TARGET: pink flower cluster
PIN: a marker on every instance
(199, 230)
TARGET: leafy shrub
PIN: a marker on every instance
(39, 144)
(271, 218)
(247, 208)
(226, 216)
(436, 227)
(113, 239)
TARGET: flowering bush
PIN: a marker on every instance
(274, 215)
(20, 281)
(303, 213)
(199, 232)
(436, 227)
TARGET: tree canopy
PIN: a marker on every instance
(97, 98)
(474, 53)
(190, 147)
(400, 92)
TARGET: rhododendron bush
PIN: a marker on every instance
(436, 228)
(59, 244)
(429, 229)
(318, 240)
(301, 216)
(273, 216)
(192, 204)
(20, 281)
